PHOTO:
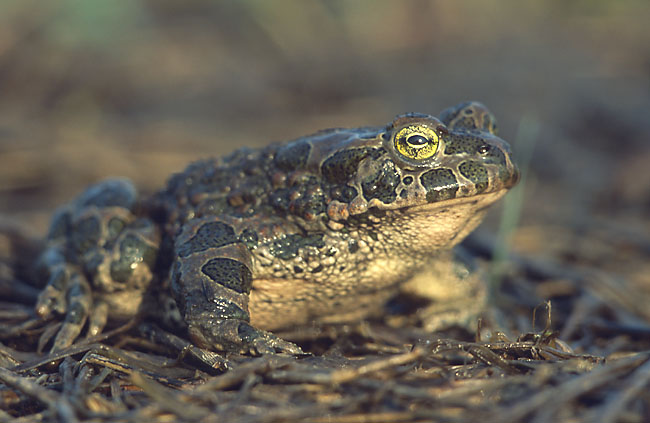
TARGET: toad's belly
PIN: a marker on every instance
(276, 304)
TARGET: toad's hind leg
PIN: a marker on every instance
(98, 251)
(211, 281)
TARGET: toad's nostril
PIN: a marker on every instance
(484, 149)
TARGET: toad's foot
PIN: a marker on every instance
(237, 335)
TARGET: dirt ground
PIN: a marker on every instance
(92, 89)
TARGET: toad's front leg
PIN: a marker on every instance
(456, 291)
(211, 281)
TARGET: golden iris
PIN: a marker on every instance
(417, 142)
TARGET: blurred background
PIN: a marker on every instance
(92, 89)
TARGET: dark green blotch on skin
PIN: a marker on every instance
(76, 312)
(249, 237)
(353, 246)
(115, 226)
(288, 247)
(382, 183)
(466, 122)
(344, 193)
(309, 206)
(247, 333)
(469, 121)
(310, 200)
(224, 309)
(209, 235)
(451, 113)
(86, 234)
(292, 156)
(463, 142)
(133, 250)
(343, 165)
(471, 143)
(213, 310)
(441, 184)
(280, 198)
(495, 156)
(475, 172)
(230, 273)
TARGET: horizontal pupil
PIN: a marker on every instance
(416, 141)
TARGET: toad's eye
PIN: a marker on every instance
(416, 142)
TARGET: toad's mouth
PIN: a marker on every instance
(477, 203)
